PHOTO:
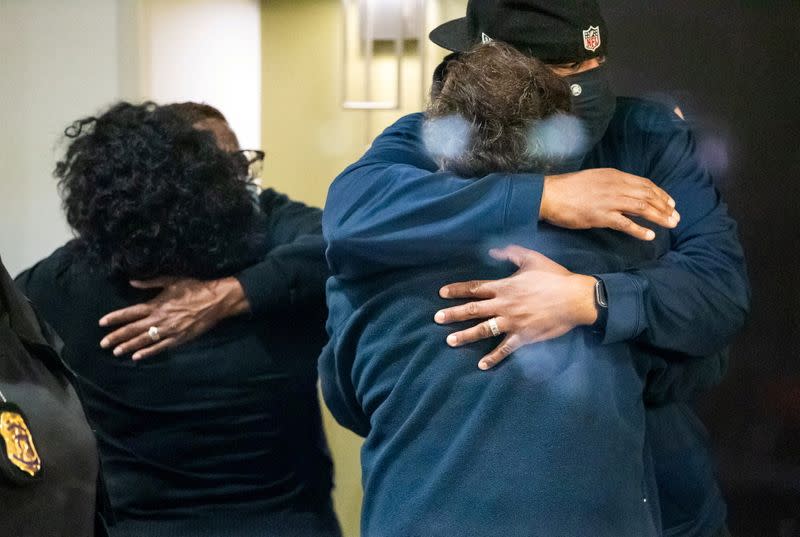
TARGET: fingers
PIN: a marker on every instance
(626, 225)
(516, 254)
(126, 315)
(472, 289)
(476, 333)
(159, 347)
(127, 333)
(526, 259)
(648, 200)
(646, 210)
(509, 344)
(134, 344)
(471, 310)
(648, 187)
(155, 283)
(658, 199)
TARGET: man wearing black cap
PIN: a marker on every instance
(566, 35)
(393, 210)
(691, 502)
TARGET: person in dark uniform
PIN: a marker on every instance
(395, 223)
(222, 436)
(49, 468)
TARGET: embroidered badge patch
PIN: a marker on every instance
(591, 38)
(20, 450)
(485, 38)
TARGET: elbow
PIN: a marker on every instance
(741, 305)
(731, 304)
(731, 320)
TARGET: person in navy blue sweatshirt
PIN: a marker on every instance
(554, 440)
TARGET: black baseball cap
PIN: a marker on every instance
(554, 31)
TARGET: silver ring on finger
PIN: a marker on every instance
(493, 326)
(152, 332)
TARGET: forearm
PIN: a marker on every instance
(692, 300)
(231, 299)
(394, 208)
(293, 269)
(290, 275)
(695, 296)
(389, 216)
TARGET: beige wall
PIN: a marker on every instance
(309, 138)
(206, 51)
(59, 61)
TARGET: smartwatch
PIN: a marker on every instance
(601, 303)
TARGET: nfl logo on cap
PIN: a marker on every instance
(591, 38)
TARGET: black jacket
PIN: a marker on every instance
(67, 494)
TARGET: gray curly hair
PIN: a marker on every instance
(490, 99)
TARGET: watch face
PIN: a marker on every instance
(600, 294)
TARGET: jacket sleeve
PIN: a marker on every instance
(293, 270)
(679, 377)
(393, 209)
(695, 297)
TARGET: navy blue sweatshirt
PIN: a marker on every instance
(553, 441)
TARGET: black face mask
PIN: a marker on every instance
(592, 101)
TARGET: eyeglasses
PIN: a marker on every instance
(253, 161)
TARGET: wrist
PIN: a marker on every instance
(231, 298)
(544, 207)
(585, 303)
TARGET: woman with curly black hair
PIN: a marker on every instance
(221, 436)
(149, 195)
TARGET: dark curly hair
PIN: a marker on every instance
(203, 116)
(196, 112)
(149, 195)
(497, 93)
